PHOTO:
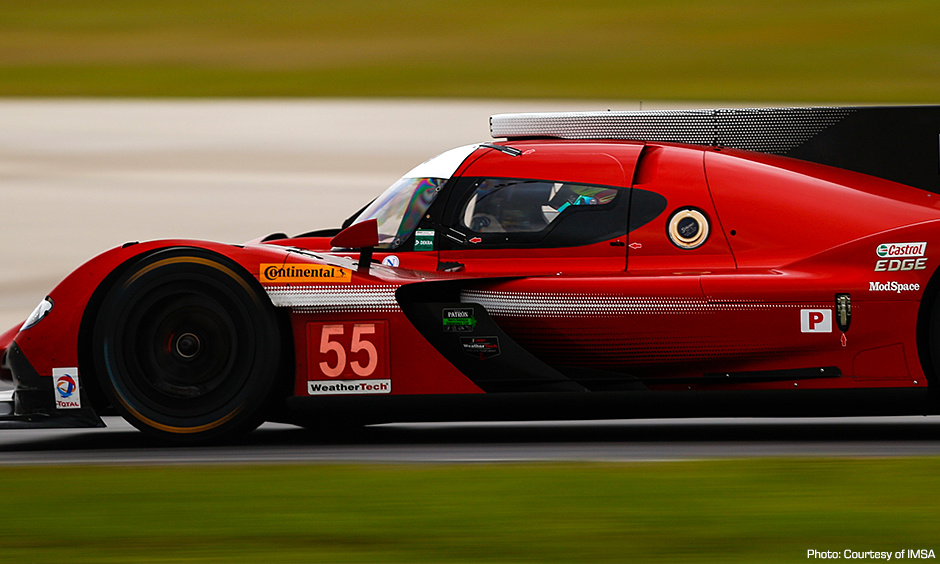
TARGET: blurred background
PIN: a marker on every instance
(861, 51)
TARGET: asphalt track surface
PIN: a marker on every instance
(78, 177)
(443, 443)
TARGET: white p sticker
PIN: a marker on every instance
(815, 321)
(65, 384)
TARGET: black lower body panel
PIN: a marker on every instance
(33, 405)
(610, 405)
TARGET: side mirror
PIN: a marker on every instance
(363, 236)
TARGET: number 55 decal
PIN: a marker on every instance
(347, 350)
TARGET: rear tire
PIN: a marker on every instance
(187, 348)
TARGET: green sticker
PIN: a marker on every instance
(458, 320)
(424, 240)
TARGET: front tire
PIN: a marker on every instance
(187, 348)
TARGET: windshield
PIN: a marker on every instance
(399, 208)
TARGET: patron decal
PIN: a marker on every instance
(458, 320)
(304, 273)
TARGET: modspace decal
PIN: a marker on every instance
(892, 286)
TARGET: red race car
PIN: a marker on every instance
(588, 265)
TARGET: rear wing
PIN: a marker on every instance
(899, 143)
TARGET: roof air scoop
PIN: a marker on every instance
(764, 130)
(897, 143)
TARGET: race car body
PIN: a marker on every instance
(628, 269)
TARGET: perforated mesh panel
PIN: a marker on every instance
(334, 298)
(765, 130)
(564, 304)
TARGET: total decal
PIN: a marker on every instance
(300, 273)
(65, 386)
(901, 257)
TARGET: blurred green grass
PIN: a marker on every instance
(801, 50)
(696, 511)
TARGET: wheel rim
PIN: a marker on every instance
(185, 348)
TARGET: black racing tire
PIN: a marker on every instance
(187, 347)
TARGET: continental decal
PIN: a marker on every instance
(299, 273)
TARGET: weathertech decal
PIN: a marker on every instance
(304, 273)
(901, 250)
(65, 384)
(892, 287)
(483, 347)
(326, 387)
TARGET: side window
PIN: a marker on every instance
(499, 205)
